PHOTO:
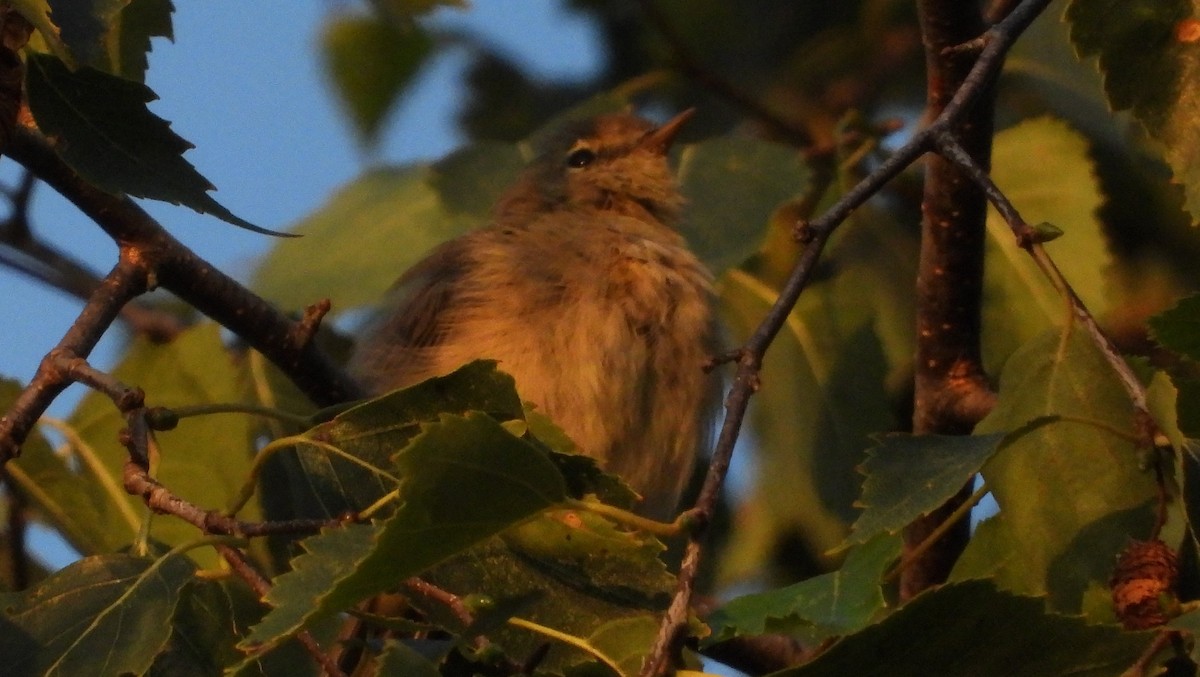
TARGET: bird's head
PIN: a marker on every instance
(614, 162)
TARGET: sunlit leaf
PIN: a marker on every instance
(1071, 492)
(993, 634)
(204, 460)
(84, 513)
(102, 615)
(849, 333)
(1149, 53)
(370, 60)
(108, 135)
(378, 226)
(837, 603)
(1043, 166)
(37, 12)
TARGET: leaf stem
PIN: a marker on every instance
(961, 511)
(578, 643)
(629, 519)
(191, 410)
(88, 457)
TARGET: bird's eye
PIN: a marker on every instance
(581, 157)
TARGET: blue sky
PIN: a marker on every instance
(244, 83)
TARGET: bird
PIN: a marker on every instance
(584, 290)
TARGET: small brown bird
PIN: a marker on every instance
(585, 293)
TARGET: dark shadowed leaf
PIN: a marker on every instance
(107, 134)
(113, 35)
(463, 479)
(374, 431)
(837, 603)
(1179, 327)
(105, 615)
(573, 571)
(908, 477)
(141, 20)
(1150, 58)
(398, 659)
(993, 634)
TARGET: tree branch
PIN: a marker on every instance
(949, 367)
(25, 253)
(127, 280)
(814, 236)
(158, 258)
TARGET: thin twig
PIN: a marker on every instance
(148, 256)
(446, 598)
(818, 232)
(23, 252)
(127, 280)
(161, 499)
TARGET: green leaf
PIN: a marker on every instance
(359, 229)
(372, 432)
(571, 571)
(626, 642)
(102, 615)
(1072, 491)
(195, 369)
(981, 632)
(113, 35)
(208, 621)
(463, 479)
(732, 185)
(129, 41)
(37, 12)
(470, 180)
(1179, 327)
(837, 603)
(108, 135)
(908, 477)
(845, 336)
(74, 504)
(370, 60)
(1045, 169)
(398, 659)
(1151, 66)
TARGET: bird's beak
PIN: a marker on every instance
(659, 139)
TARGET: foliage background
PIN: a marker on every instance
(270, 135)
(844, 355)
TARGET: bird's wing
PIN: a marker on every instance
(398, 343)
